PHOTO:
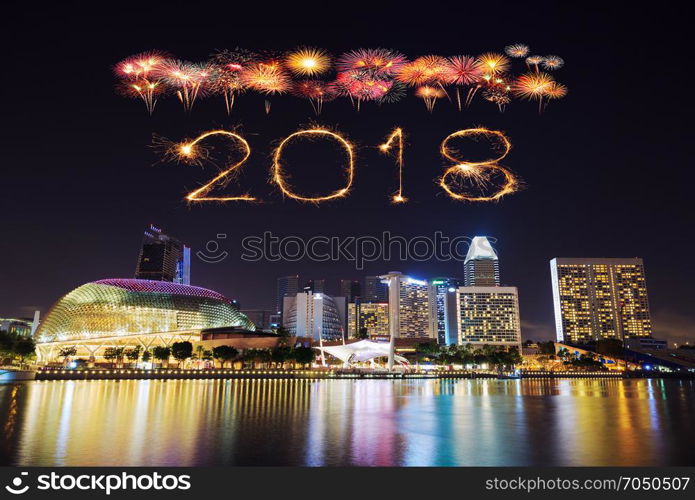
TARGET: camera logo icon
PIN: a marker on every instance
(212, 253)
(16, 488)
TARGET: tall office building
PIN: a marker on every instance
(375, 290)
(488, 315)
(599, 299)
(314, 315)
(408, 301)
(481, 266)
(350, 289)
(316, 286)
(163, 258)
(287, 286)
(374, 316)
(442, 304)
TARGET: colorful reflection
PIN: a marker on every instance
(577, 422)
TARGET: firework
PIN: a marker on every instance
(280, 179)
(362, 86)
(397, 138)
(308, 62)
(429, 95)
(194, 153)
(500, 97)
(267, 78)
(378, 61)
(138, 77)
(493, 63)
(188, 80)
(463, 71)
(316, 91)
(517, 50)
(482, 174)
(425, 70)
(226, 73)
(534, 61)
(555, 90)
(552, 62)
(533, 86)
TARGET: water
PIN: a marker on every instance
(578, 422)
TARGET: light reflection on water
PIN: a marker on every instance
(347, 422)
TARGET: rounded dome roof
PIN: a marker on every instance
(114, 307)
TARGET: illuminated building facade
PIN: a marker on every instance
(481, 266)
(314, 315)
(16, 326)
(163, 258)
(374, 316)
(442, 304)
(599, 299)
(488, 315)
(129, 313)
(408, 302)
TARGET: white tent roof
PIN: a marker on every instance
(358, 352)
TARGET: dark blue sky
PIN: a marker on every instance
(607, 169)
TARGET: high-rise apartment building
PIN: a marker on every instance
(488, 315)
(599, 299)
(372, 316)
(316, 286)
(481, 266)
(163, 258)
(287, 286)
(260, 317)
(408, 301)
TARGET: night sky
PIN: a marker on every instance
(608, 171)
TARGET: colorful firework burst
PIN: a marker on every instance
(552, 62)
(493, 63)
(378, 61)
(316, 91)
(463, 71)
(307, 61)
(533, 86)
(430, 95)
(517, 50)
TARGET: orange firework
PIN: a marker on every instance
(308, 61)
(188, 80)
(479, 173)
(493, 63)
(517, 50)
(533, 86)
(425, 70)
(139, 79)
(267, 78)
(280, 178)
(429, 95)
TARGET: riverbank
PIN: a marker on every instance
(130, 374)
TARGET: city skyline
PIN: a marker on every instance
(91, 200)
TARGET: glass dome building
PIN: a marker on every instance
(127, 311)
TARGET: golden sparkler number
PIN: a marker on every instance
(397, 138)
(190, 151)
(480, 173)
(279, 177)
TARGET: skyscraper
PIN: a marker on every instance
(163, 258)
(599, 299)
(375, 290)
(442, 304)
(287, 286)
(481, 266)
(350, 289)
(488, 315)
(408, 306)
